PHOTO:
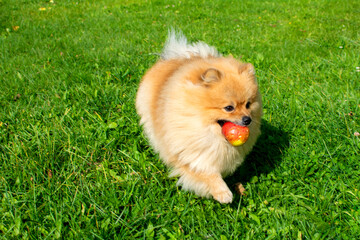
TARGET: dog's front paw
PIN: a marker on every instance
(224, 196)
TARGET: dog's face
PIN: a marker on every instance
(229, 96)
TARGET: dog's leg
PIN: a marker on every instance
(205, 184)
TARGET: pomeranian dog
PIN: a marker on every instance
(183, 102)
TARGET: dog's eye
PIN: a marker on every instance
(229, 108)
(247, 105)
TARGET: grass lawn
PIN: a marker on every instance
(74, 163)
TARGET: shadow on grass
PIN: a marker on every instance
(265, 156)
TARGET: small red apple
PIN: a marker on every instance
(235, 134)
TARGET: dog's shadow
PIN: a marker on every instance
(265, 156)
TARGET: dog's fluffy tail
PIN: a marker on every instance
(177, 46)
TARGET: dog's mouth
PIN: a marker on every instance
(245, 121)
(222, 122)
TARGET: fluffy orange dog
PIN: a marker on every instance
(184, 100)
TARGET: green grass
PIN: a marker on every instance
(75, 164)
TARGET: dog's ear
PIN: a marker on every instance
(247, 68)
(211, 75)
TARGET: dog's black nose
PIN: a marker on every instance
(246, 120)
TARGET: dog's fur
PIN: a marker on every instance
(182, 100)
